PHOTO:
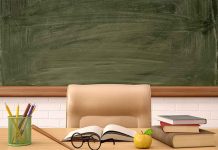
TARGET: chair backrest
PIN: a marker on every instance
(101, 104)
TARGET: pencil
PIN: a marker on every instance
(8, 110)
(10, 115)
(51, 137)
(17, 111)
(24, 115)
(17, 114)
(22, 128)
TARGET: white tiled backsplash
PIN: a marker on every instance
(51, 111)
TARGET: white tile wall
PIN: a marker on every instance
(206, 107)
(51, 111)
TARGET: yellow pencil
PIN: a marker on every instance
(8, 110)
(17, 111)
(17, 114)
(10, 115)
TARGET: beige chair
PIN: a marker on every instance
(101, 104)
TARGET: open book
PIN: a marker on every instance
(111, 131)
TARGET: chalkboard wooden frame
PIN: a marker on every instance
(156, 91)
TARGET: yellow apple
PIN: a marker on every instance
(142, 140)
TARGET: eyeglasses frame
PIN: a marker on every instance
(87, 139)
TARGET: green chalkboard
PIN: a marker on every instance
(58, 42)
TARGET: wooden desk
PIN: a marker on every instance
(40, 142)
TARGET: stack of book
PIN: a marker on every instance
(183, 131)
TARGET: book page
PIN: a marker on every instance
(90, 129)
(117, 128)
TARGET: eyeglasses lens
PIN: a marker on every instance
(94, 142)
(77, 140)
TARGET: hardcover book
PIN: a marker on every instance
(111, 131)
(193, 128)
(178, 140)
(181, 119)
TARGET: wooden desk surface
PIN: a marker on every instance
(40, 142)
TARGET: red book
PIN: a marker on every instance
(162, 124)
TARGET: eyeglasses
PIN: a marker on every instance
(93, 140)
